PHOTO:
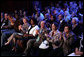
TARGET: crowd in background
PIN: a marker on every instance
(59, 27)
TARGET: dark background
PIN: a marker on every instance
(11, 5)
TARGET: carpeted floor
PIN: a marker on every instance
(6, 51)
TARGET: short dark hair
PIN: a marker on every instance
(69, 26)
(25, 18)
(54, 17)
(56, 24)
(61, 15)
(34, 20)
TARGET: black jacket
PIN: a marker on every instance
(62, 25)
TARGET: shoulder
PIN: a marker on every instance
(29, 27)
(64, 21)
(58, 31)
(46, 30)
(50, 32)
(72, 34)
(41, 15)
(37, 27)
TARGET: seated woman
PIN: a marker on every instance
(69, 40)
(10, 27)
(54, 39)
(32, 31)
(22, 30)
(29, 34)
(54, 35)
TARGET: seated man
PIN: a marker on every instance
(5, 23)
(61, 23)
(36, 42)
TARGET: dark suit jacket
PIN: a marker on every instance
(61, 28)
(77, 30)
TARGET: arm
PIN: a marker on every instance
(49, 38)
(27, 35)
(72, 40)
(77, 52)
(64, 38)
(8, 27)
(60, 36)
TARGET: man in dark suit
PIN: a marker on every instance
(62, 23)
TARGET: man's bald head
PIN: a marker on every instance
(42, 24)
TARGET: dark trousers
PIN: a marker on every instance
(5, 35)
(30, 44)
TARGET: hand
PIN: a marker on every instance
(5, 27)
(48, 39)
(51, 41)
(64, 38)
(18, 36)
(77, 52)
(46, 35)
(24, 35)
(20, 27)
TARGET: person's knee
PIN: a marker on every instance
(14, 34)
(29, 41)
